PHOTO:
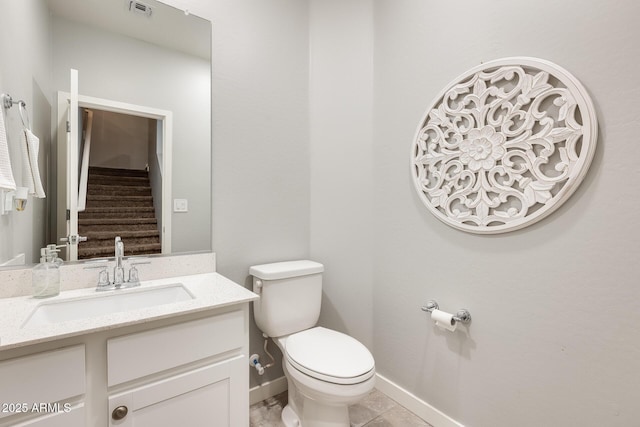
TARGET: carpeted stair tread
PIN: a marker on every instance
(106, 240)
(105, 209)
(118, 190)
(119, 203)
(118, 229)
(117, 221)
(118, 213)
(96, 170)
(117, 180)
(101, 197)
(94, 236)
(132, 249)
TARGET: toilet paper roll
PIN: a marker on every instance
(444, 320)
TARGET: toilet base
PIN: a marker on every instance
(289, 417)
(317, 415)
(309, 407)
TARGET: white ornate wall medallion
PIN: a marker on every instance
(504, 145)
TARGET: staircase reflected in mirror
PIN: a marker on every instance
(119, 203)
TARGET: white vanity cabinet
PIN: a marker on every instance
(193, 373)
(44, 389)
(182, 363)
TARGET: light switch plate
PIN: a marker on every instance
(180, 205)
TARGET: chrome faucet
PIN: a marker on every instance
(118, 270)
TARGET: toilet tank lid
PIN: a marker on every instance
(284, 270)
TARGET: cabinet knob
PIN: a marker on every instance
(119, 413)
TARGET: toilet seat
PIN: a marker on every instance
(329, 356)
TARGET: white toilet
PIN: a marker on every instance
(326, 370)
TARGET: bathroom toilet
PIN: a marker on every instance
(326, 370)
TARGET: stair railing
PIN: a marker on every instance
(84, 164)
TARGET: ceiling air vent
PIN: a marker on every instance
(137, 7)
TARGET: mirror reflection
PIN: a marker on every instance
(143, 150)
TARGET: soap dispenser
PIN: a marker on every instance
(45, 277)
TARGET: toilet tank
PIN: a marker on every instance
(290, 296)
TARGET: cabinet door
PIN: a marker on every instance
(74, 417)
(214, 395)
(48, 377)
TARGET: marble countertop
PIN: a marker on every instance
(210, 291)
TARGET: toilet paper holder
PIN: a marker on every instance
(462, 315)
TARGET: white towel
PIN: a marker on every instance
(30, 150)
(6, 173)
(26, 164)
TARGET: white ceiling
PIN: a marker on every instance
(167, 26)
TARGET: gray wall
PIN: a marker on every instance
(554, 339)
(121, 141)
(341, 96)
(25, 74)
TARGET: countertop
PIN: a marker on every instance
(210, 291)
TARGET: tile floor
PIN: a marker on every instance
(375, 410)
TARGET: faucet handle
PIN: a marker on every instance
(134, 278)
(103, 277)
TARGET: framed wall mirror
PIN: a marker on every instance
(142, 161)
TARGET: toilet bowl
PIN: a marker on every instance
(326, 370)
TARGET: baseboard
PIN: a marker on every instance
(419, 407)
(266, 390)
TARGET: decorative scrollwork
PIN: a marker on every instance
(504, 145)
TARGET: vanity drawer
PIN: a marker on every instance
(145, 353)
(41, 378)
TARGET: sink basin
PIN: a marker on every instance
(106, 303)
